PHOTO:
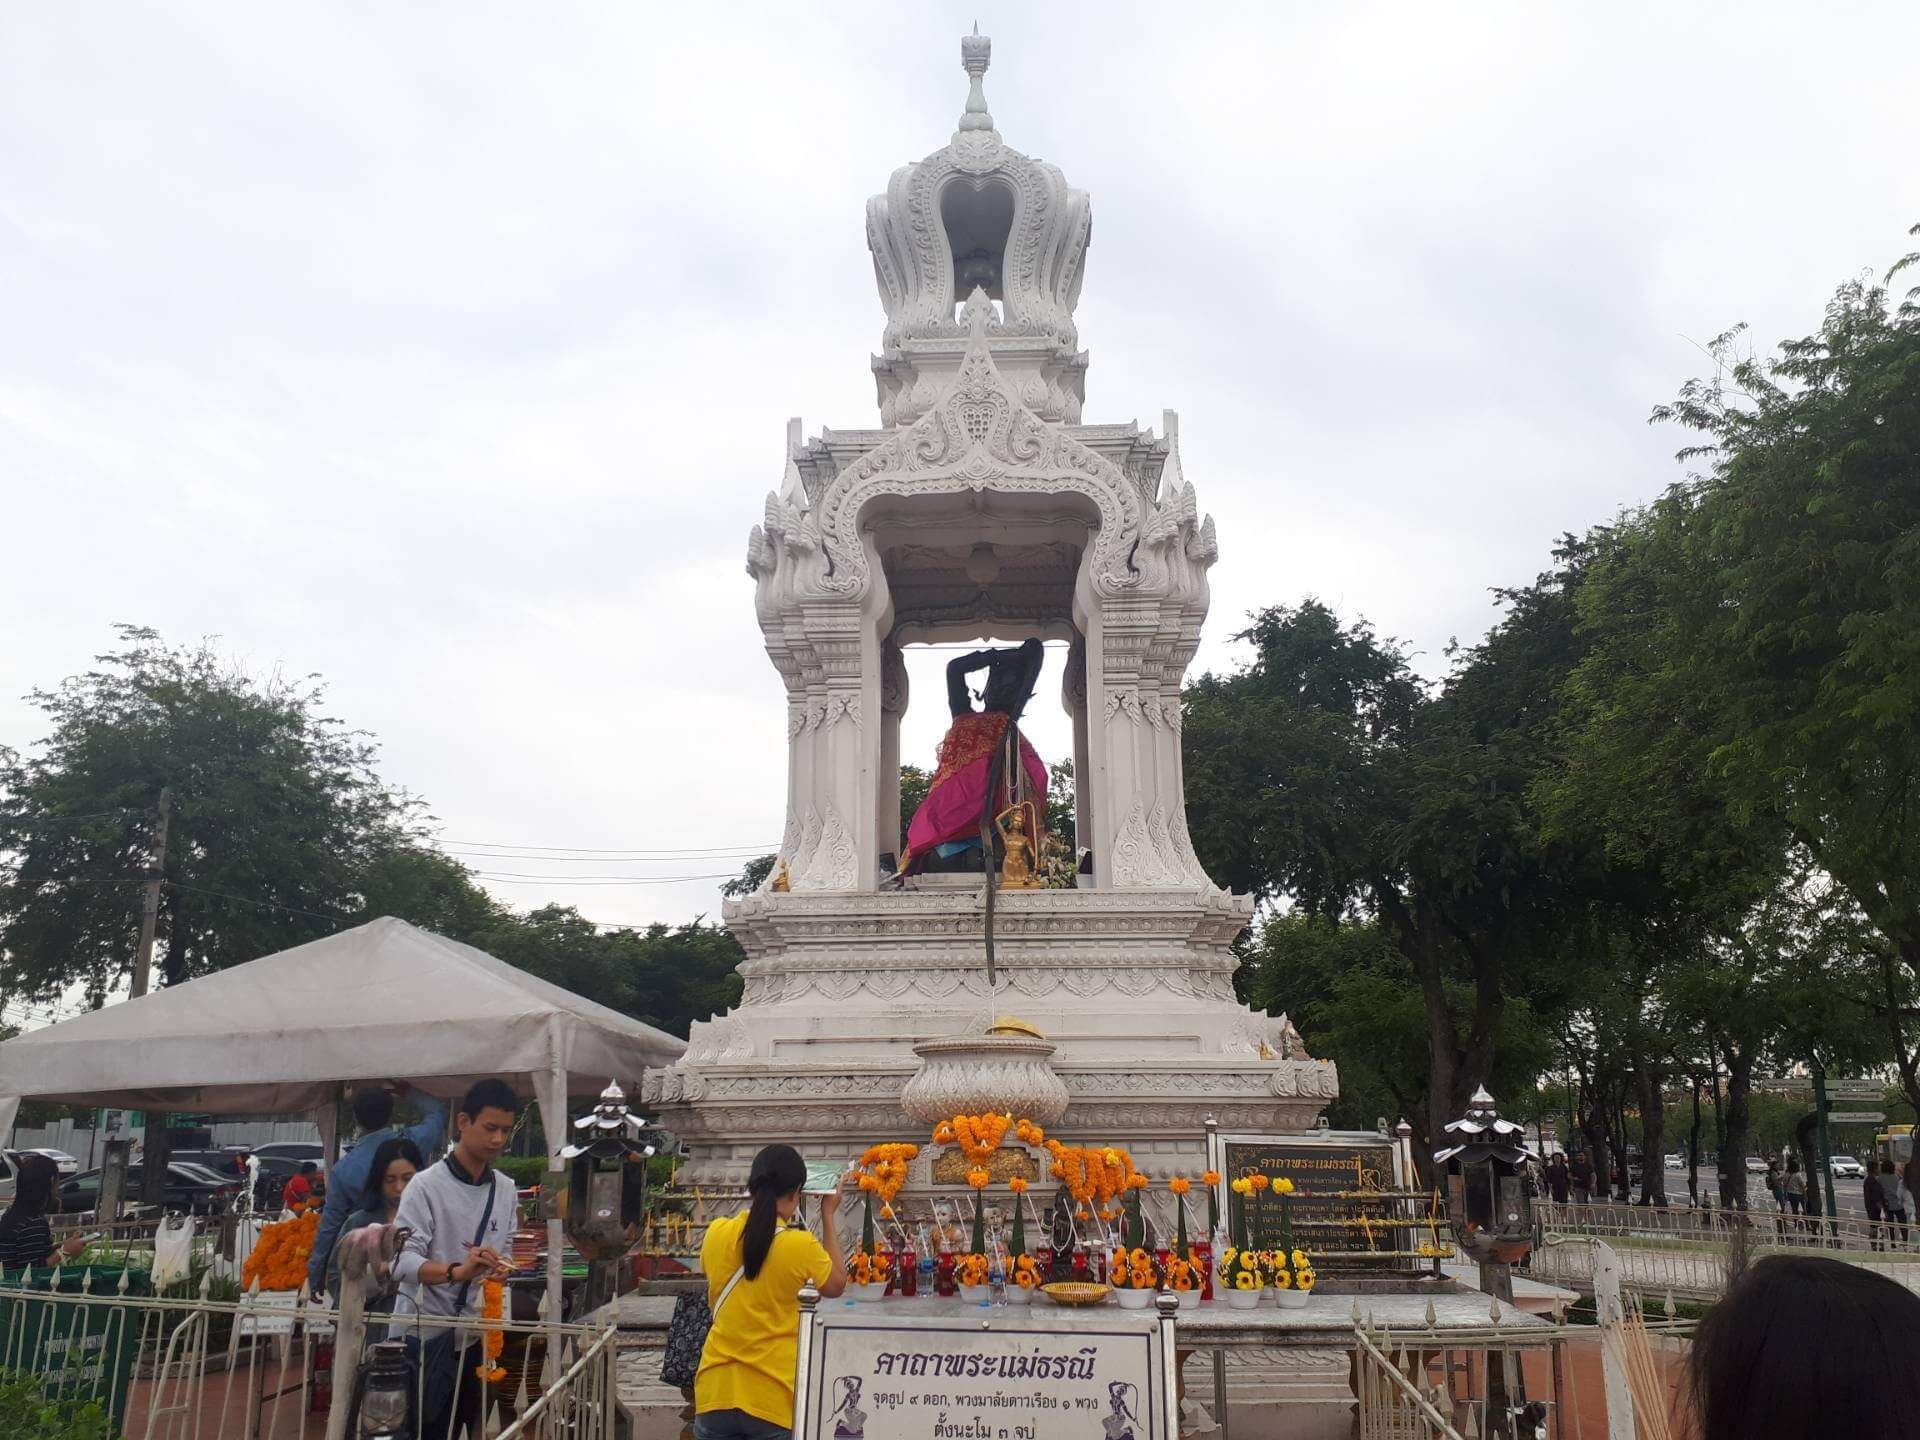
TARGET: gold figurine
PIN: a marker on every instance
(1018, 871)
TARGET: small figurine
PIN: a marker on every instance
(1019, 869)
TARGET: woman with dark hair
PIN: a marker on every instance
(395, 1162)
(1804, 1346)
(755, 1263)
(25, 1236)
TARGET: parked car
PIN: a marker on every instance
(64, 1163)
(290, 1150)
(190, 1187)
(219, 1162)
(7, 1169)
(1846, 1167)
(1756, 1165)
(1676, 1162)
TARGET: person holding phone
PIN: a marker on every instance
(755, 1263)
(25, 1236)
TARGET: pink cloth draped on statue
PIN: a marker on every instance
(952, 808)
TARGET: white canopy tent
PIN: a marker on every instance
(290, 1031)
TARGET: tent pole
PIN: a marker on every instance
(553, 1119)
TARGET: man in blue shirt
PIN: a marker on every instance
(347, 1179)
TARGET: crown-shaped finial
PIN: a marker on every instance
(976, 53)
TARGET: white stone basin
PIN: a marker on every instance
(985, 1074)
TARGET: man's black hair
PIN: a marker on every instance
(489, 1094)
(373, 1109)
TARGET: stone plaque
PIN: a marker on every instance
(1008, 1161)
(872, 1373)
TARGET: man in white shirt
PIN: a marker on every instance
(461, 1213)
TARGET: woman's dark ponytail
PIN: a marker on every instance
(777, 1171)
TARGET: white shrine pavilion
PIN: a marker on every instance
(983, 505)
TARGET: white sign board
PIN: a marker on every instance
(1039, 1373)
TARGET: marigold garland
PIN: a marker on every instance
(979, 1136)
(979, 1177)
(493, 1307)
(882, 1170)
(1026, 1272)
(971, 1269)
(869, 1268)
(1018, 1184)
(280, 1254)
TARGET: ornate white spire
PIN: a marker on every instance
(976, 53)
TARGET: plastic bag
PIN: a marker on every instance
(172, 1251)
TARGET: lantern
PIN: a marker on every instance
(1486, 1184)
(386, 1388)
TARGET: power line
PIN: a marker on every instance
(589, 850)
(515, 878)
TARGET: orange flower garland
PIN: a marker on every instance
(979, 1136)
(1018, 1184)
(971, 1270)
(493, 1339)
(979, 1177)
(883, 1170)
(869, 1269)
(1179, 1185)
(1026, 1272)
(280, 1255)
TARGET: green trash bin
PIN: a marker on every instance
(77, 1350)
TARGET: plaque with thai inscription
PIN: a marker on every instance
(1346, 1207)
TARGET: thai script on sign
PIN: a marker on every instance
(972, 1365)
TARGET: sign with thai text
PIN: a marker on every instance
(1036, 1374)
(1333, 1173)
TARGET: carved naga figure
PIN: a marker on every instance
(945, 832)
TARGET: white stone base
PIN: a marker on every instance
(1134, 988)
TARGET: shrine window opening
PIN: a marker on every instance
(978, 221)
(1046, 724)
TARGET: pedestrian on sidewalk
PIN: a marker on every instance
(1875, 1199)
(1895, 1199)
(1794, 1187)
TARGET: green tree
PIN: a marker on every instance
(1326, 772)
(278, 818)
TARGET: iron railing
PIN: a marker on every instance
(259, 1367)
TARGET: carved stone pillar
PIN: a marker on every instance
(889, 823)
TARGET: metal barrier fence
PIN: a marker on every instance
(1771, 1228)
(191, 1367)
(1690, 1253)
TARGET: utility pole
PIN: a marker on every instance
(153, 1175)
(150, 910)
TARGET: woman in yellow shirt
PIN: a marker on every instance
(755, 1264)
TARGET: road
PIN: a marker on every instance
(1847, 1193)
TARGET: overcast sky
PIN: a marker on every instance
(448, 349)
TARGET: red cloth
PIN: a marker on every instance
(951, 810)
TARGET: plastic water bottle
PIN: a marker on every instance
(997, 1276)
(925, 1266)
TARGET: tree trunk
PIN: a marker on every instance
(1733, 1154)
(1653, 1135)
(1693, 1148)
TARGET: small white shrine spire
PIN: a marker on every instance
(976, 53)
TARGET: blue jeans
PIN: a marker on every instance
(736, 1425)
